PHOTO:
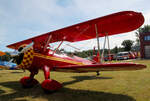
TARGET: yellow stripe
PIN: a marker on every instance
(57, 59)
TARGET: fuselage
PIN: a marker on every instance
(33, 61)
(52, 59)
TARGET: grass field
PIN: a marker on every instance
(109, 86)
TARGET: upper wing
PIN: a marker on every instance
(116, 23)
(100, 67)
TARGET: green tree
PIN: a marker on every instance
(127, 44)
(115, 50)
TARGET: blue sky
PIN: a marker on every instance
(22, 19)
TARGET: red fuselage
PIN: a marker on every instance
(52, 60)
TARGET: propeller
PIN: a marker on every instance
(19, 56)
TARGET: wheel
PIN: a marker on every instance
(27, 82)
(50, 86)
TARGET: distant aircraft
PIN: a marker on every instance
(2, 53)
(7, 65)
(35, 53)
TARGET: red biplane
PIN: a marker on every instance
(35, 53)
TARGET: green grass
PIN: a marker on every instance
(109, 86)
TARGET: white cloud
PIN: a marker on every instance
(147, 18)
(2, 34)
(93, 8)
(3, 39)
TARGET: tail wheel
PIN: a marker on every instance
(27, 82)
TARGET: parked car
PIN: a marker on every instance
(122, 56)
(125, 55)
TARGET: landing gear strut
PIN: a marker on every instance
(97, 73)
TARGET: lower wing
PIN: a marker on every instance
(100, 67)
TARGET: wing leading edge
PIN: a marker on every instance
(112, 24)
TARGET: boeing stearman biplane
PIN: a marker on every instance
(35, 53)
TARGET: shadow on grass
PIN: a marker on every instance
(82, 78)
(65, 94)
(16, 72)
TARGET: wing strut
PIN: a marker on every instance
(58, 47)
(73, 47)
(102, 57)
(106, 38)
(48, 40)
(108, 46)
(96, 30)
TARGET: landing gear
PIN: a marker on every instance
(28, 82)
(97, 73)
(48, 84)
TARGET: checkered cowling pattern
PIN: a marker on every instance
(27, 59)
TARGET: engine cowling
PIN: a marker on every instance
(25, 59)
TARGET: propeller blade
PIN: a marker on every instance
(27, 47)
(10, 60)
